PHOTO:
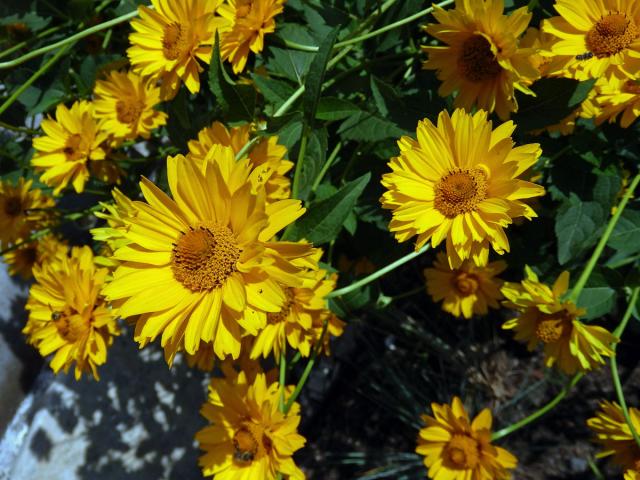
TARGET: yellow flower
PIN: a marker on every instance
(67, 314)
(595, 37)
(481, 60)
(249, 438)
(170, 39)
(456, 448)
(266, 156)
(115, 215)
(545, 318)
(615, 99)
(613, 433)
(459, 182)
(70, 142)
(300, 322)
(466, 291)
(249, 21)
(21, 260)
(202, 267)
(22, 210)
(124, 102)
(632, 474)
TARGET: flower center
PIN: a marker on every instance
(463, 452)
(204, 257)
(631, 86)
(243, 8)
(13, 206)
(552, 327)
(72, 147)
(465, 283)
(611, 34)
(250, 442)
(129, 112)
(460, 191)
(71, 326)
(477, 63)
(283, 314)
(175, 41)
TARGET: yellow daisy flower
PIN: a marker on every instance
(23, 259)
(545, 318)
(301, 320)
(633, 474)
(459, 182)
(67, 314)
(595, 37)
(249, 21)
(466, 291)
(615, 99)
(266, 157)
(70, 142)
(202, 267)
(481, 60)
(249, 438)
(613, 433)
(170, 39)
(456, 448)
(22, 210)
(125, 103)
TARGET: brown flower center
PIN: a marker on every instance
(465, 283)
(204, 257)
(460, 191)
(283, 314)
(631, 86)
(462, 452)
(73, 147)
(13, 206)
(129, 111)
(477, 63)
(72, 326)
(611, 34)
(175, 41)
(250, 442)
(553, 327)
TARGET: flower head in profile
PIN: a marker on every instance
(459, 183)
(70, 142)
(614, 435)
(22, 260)
(68, 317)
(615, 99)
(125, 103)
(248, 22)
(248, 437)
(266, 157)
(595, 38)
(481, 59)
(23, 209)
(544, 317)
(465, 291)
(457, 448)
(170, 40)
(202, 266)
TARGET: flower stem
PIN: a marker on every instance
(43, 34)
(586, 273)
(374, 276)
(295, 189)
(326, 166)
(538, 413)
(283, 378)
(614, 364)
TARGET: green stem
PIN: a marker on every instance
(538, 413)
(284, 108)
(247, 147)
(374, 276)
(28, 131)
(594, 468)
(295, 190)
(283, 379)
(298, 46)
(586, 273)
(41, 71)
(420, 289)
(69, 40)
(614, 364)
(326, 166)
(43, 34)
(393, 25)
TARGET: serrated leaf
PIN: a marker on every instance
(324, 220)
(598, 297)
(365, 126)
(626, 234)
(291, 63)
(332, 108)
(606, 189)
(315, 77)
(314, 159)
(576, 227)
(275, 92)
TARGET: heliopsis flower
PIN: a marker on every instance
(632, 474)
(249, 438)
(459, 182)
(202, 267)
(456, 448)
(266, 157)
(125, 103)
(22, 210)
(616, 99)
(595, 37)
(614, 434)
(300, 322)
(250, 21)
(545, 318)
(170, 39)
(21, 260)
(71, 141)
(481, 60)
(466, 291)
(67, 315)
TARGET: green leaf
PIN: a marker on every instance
(275, 92)
(315, 157)
(332, 108)
(599, 295)
(315, 77)
(365, 126)
(626, 234)
(237, 101)
(324, 220)
(291, 63)
(606, 189)
(576, 227)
